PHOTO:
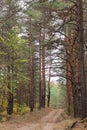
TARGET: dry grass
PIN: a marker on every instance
(66, 124)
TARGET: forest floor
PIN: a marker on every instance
(54, 119)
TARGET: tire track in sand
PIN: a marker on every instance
(46, 123)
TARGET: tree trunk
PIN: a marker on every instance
(40, 72)
(80, 52)
(69, 71)
(43, 78)
(48, 101)
(10, 94)
(31, 82)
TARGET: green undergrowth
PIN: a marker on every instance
(22, 109)
(22, 112)
(17, 110)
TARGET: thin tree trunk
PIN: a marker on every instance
(40, 88)
(48, 101)
(10, 94)
(43, 77)
(31, 82)
(69, 71)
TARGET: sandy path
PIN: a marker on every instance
(49, 122)
(46, 123)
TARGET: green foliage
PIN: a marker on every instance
(62, 5)
(57, 97)
(19, 110)
(13, 43)
(38, 5)
(3, 113)
(15, 108)
(4, 105)
(1, 39)
(34, 14)
(23, 108)
(3, 118)
(13, 46)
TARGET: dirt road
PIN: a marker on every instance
(46, 123)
